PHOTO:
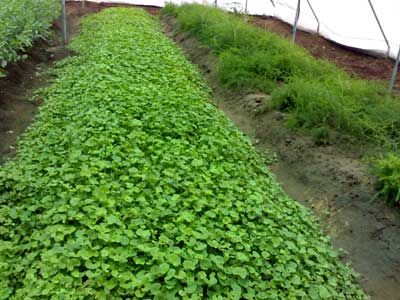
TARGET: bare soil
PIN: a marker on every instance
(16, 109)
(331, 180)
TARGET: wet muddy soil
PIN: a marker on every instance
(332, 180)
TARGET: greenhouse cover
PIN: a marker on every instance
(350, 23)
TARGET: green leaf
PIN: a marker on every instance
(323, 292)
(174, 259)
(189, 264)
(145, 234)
(240, 271)
(164, 267)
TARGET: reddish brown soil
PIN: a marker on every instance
(354, 62)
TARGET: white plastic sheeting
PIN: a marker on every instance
(347, 22)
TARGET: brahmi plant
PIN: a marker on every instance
(131, 185)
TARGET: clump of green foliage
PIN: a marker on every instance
(131, 185)
(387, 170)
(319, 96)
(23, 21)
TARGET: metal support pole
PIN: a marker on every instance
(380, 27)
(315, 15)
(245, 11)
(216, 3)
(296, 21)
(394, 74)
(64, 22)
(273, 3)
(83, 3)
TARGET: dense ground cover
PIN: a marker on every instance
(131, 185)
(23, 21)
(319, 96)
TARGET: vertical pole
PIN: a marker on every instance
(245, 11)
(315, 15)
(64, 22)
(296, 21)
(83, 3)
(394, 74)
(273, 3)
(380, 27)
(216, 3)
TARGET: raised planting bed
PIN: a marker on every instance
(131, 185)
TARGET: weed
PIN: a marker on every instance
(387, 170)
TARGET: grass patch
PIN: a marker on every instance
(387, 170)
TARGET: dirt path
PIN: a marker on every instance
(331, 180)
